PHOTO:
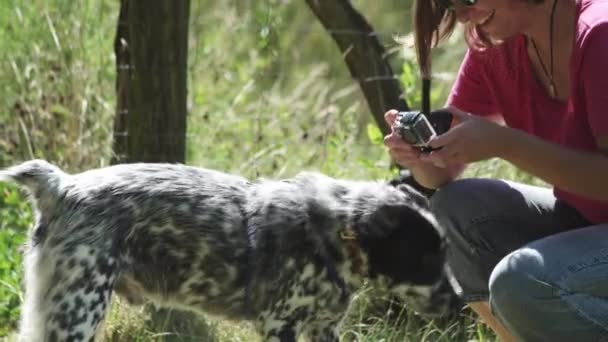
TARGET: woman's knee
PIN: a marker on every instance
(521, 293)
(519, 278)
(532, 296)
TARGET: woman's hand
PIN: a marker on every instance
(402, 153)
(472, 139)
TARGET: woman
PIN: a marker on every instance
(532, 90)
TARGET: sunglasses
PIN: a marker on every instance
(449, 4)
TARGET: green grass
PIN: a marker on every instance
(15, 217)
(269, 95)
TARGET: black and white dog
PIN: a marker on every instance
(285, 254)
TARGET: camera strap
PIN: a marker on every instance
(426, 96)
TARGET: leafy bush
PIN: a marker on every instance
(15, 219)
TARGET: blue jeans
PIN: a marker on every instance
(540, 264)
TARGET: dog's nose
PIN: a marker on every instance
(440, 301)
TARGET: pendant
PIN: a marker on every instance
(552, 91)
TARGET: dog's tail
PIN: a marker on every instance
(39, 177)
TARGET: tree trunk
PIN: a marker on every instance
(151, 59)
(150, 126)
(364, 56)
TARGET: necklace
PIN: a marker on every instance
(549, 75)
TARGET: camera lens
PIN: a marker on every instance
(405, 125)
(408, 136)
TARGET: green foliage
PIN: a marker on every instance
(56, 69)
(15, 219)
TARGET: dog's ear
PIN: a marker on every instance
(406, 177)
(414, 195)
(384, 220)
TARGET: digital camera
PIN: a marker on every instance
(418, 129)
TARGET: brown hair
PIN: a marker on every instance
(432, 24)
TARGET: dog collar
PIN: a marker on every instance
(353, 251)
(348, 234)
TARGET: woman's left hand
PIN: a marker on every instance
(472, 139)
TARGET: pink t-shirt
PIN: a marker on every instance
(500, 80)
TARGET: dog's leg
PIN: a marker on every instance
(323, 331)
(66, 298)
(275, 328)
(37, 277)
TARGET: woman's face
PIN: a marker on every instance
(498, 19)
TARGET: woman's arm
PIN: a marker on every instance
(579, 172)
(475, 139)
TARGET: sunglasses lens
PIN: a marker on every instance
(448, 4)
(445, 4)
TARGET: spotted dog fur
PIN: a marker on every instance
(285, 254)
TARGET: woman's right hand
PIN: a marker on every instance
(402, 153)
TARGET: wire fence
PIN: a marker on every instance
(267, 75)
